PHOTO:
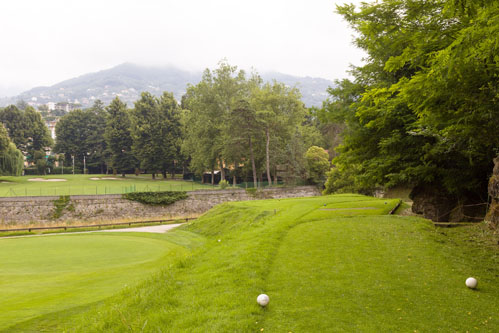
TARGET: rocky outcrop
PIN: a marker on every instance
(435, 203)
(493, 213)
(432, 202)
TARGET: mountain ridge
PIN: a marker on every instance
(128, 80)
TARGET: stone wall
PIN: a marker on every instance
(493, 214)
(40, 210)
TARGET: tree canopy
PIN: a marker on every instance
(423, 109)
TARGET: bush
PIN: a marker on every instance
(156, 198)
(67, 170)
(223, 184)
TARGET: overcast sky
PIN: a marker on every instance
(45, 42)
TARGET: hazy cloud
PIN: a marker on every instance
(44, 42)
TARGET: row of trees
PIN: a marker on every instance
(423, 109)
(146, 137)
(237, 122)
(229, 122)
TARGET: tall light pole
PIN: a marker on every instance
(84, 163)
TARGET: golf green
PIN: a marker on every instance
(40, 275)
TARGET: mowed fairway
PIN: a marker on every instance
(39, 275)
(326, 268)
(55, 185)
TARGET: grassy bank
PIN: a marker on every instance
(323, 273)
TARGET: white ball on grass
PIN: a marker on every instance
(471, 282)
(263, 299)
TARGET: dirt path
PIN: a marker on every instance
(159, 229)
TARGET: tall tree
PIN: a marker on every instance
(119, 137)
(11, 158)
(95, 141)
(71, 136)
(428, 87)
(156, 132)
(245, 129)
(27, 129)
(210, 103)
(280, 111)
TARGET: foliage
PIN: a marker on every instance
(80, 134)
(318, 163)
(156, 132)
(164, 198)
(59, 205)
(423, 109)
(119, 137)
(231, 119)
(11, 161)
(26, 129)
(210, 103)
(223, 184)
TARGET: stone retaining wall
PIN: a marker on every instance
(40, 210)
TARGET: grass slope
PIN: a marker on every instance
(83, 185)
(323, 271)
(40, 275)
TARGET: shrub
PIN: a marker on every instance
(156, 198)
(223, 184)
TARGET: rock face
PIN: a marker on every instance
(435, 203)
(432, 202)
(493, 214)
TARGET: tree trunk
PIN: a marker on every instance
(163, 172)
(267, 156)
(212, 177)
(222, 171)
(123, 175)
(275, 174)
(234, 181)
(252, 156)
(153, 175)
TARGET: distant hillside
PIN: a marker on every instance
(128, 80)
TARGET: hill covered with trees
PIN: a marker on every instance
(127, 81)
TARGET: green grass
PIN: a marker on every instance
(323, 273)
(40, 275)
(83, 185)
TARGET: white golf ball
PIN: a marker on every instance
(471, 283)
(262, 299)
